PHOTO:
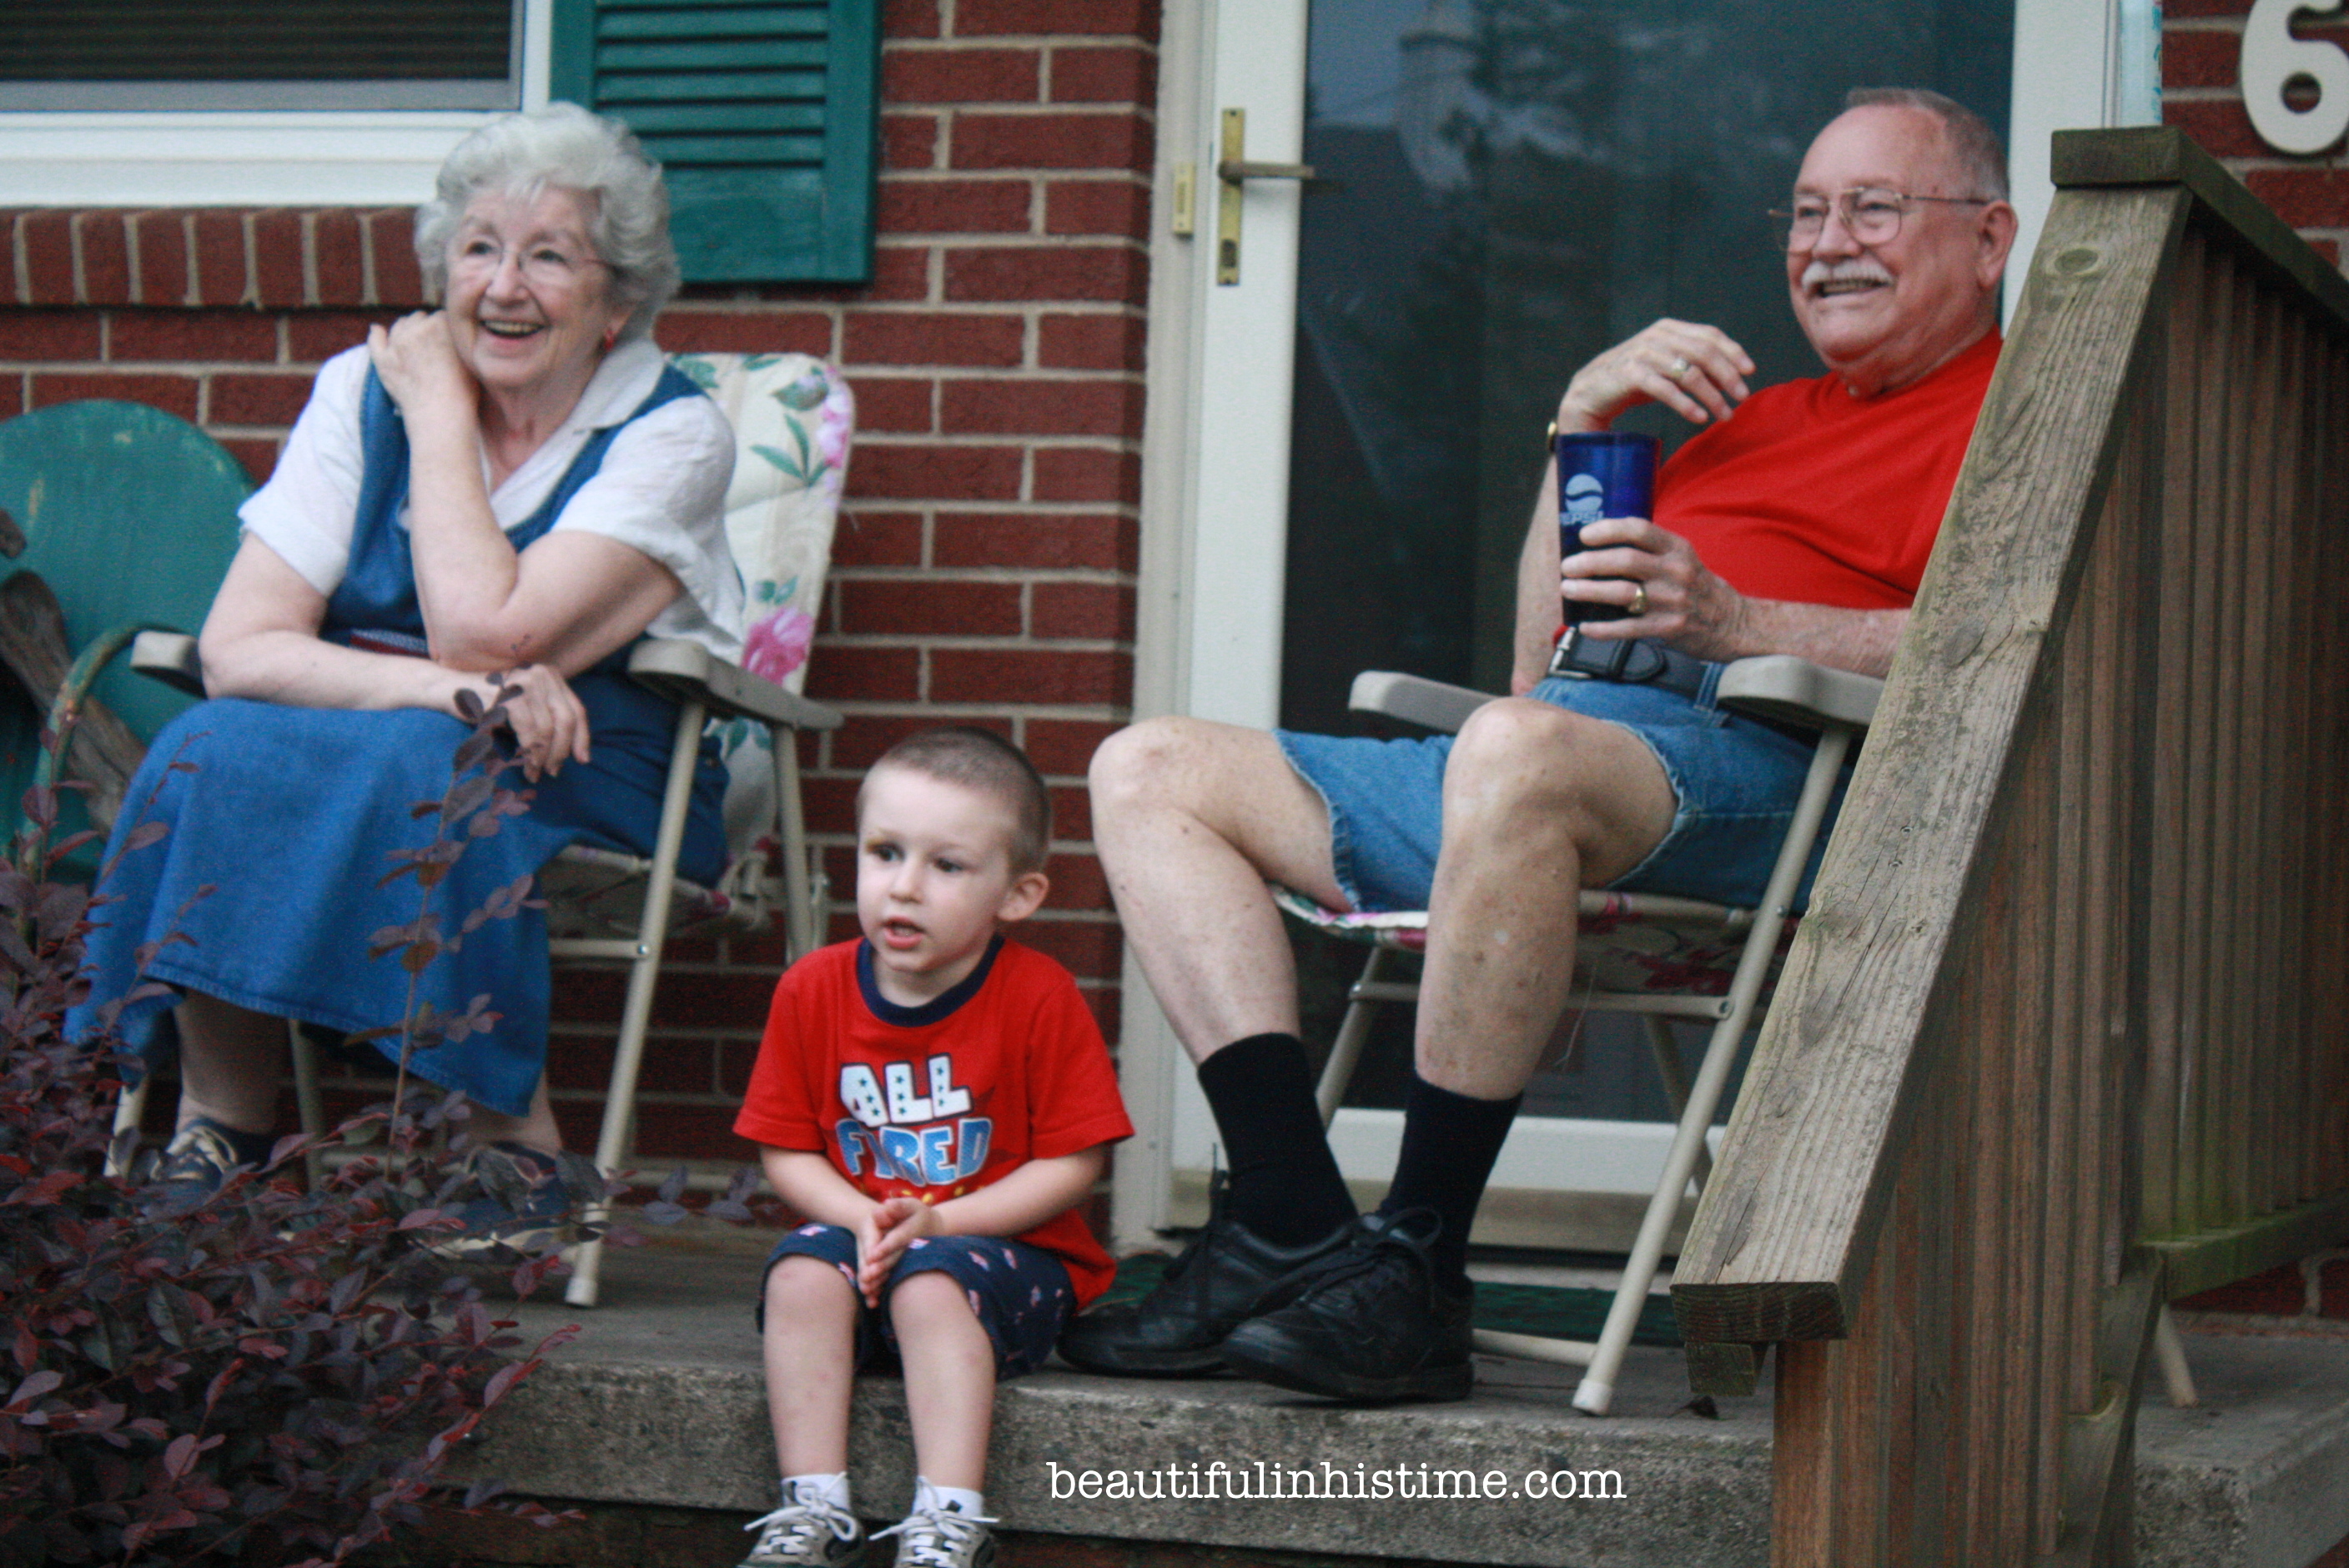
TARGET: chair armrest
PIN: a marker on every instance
(170, 657)
(1415, 699)
(680, 670)
(1796, 691)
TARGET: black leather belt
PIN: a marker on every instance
(1640, 661)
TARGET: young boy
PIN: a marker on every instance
(935, 1100)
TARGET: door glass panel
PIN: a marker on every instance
(1507, 187)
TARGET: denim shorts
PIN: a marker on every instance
(1734, 781)
(1020, 1293)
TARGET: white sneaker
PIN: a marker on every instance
(808, 1532)
(942, 1537)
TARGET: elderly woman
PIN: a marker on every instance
(510, 490)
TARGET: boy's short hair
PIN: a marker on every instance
(986, 763)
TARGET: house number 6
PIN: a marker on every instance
(2272, 59)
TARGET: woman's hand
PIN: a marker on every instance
(1697, 371)
(883, 1236)
(416, 360)
(548, 721)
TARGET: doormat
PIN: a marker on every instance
(1554, 1312)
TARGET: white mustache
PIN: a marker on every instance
(1858, 270)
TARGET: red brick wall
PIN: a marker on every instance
(984, 569)
(2201, 43)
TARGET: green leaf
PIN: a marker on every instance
(781, 460)
(807, 392)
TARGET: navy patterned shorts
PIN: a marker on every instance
(1020, 1293)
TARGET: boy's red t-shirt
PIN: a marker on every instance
(1809, 493)
(934, 1101)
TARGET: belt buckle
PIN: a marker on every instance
(1564, 661)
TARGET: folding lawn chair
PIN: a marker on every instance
(1657, 957)
(793, 417)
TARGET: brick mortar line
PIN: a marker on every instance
(893, 707)
(920, 239)
(1045, 574)
(997, 308)
(975, 439)
(980, 40)
(966, 642)
(191, 368)
(1036, 108)
(190, 293)
(1087, 373)
(245, 221)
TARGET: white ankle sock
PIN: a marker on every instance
(818, 1488)
(960, 1499)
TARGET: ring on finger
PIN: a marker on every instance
(1639, 605)
(1678, 369)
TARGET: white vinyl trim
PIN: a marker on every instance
(313, 158)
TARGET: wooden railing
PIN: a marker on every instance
(2063, 1035)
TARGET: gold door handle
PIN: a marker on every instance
(1232, 171)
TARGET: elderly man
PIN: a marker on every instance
(1798, 521)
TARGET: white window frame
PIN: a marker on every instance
(311, 158)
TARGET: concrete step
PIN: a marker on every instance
(660, 1403)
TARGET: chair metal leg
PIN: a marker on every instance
(643, 973)
(803, 919)
(308, 1104)
(1346, 1051)
(2170, 1353)
(1674, 1072)
(1597, 1389)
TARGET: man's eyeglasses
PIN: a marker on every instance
(1870, 216)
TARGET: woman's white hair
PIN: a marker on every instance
(563, 145)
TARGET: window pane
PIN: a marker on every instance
(258, 53)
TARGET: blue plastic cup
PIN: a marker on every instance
(1601, 473)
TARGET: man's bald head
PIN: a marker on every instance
(1886, 313)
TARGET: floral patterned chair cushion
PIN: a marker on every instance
(1630, 941)
(793, 417)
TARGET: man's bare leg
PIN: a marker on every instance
(1538, 803)
(1191, 817)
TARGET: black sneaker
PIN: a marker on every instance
(1227, 1275)
(1373, 1325)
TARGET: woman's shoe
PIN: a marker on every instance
(200, 1157)
(523, 1202)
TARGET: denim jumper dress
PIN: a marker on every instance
(264, 891)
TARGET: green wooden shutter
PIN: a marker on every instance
(760, 111)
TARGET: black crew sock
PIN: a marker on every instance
(1285, 1182)
(1449, 1144)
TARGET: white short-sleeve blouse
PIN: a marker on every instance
(661, 489)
